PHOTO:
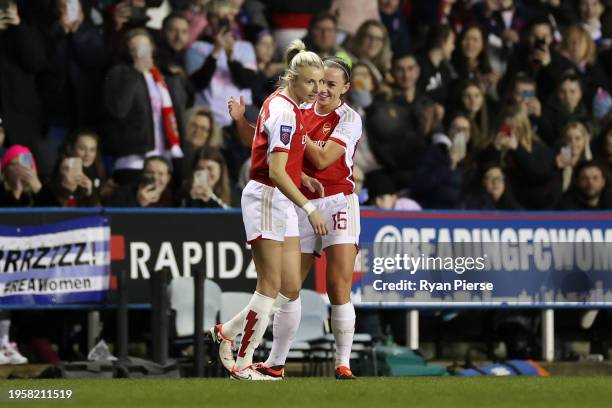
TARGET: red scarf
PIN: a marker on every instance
(168, 115)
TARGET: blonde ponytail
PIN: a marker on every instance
(296, 57)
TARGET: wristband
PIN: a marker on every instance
(309, 208)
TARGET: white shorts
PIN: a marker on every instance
(267, 213)
(341, 214)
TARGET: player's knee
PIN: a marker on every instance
(338, 292)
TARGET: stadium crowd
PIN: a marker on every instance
(491, 104)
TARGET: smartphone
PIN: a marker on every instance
(528, 94)
(73, 10)
(138, 14)
(506, 129)
(200, 178)
(147, 181)
(224, 24)
(566, 152)
(75, 165)
(4, 5)
(26, 160)
(459, 145)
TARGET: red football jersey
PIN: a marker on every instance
(279, 129)
(343, 126)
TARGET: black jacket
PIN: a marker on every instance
(70, 86)
(130, 122)
(22, 56)
(531, 175)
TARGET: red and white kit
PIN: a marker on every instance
(266, 212)
(340, 206)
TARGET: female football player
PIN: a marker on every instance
(268, 210)
(334, 130)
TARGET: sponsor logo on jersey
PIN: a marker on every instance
(285, 134)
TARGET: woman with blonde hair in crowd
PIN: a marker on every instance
(371, 43)
(528, 163)
(576, 148)
(580, 53)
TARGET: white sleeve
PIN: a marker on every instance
(348, 130)
(280, 126)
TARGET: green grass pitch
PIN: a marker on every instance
(446, 392)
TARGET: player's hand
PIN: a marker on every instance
(236, 108)
(313, 185)
(317, 222)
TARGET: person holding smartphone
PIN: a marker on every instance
(441, 168)
(145, 112)
(70, 84)
(70, 187)
(221, 65)
(527, 161)
(153, 189)
(209, 185)
(20, 186)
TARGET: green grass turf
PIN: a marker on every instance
(447, 392)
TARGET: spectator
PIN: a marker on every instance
(321, 37)
(566, 107)
(492, 193)
(440, 173)
(393, 123)
(528, 162)
(397, 26)
(209, 185)
(580, 53)
(524, 93)
(591, 12)
(70, 84)
(86, 146)
(170, 55)
(371, 43)
(22, 57)
(471, 59)
(364, 89)
(589, 190)
(70, 187)
(505, 28)
(538, 58)
(123, 16)
(21, 186)
(221, 66)
(143, 111)
(603, 152)
(436, 72)
(196, 14)
(268, 70)
(383, 194)
(152, 190)
(474, 103)
(576, 148)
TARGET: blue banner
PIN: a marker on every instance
(62, 262)
(546, 259)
